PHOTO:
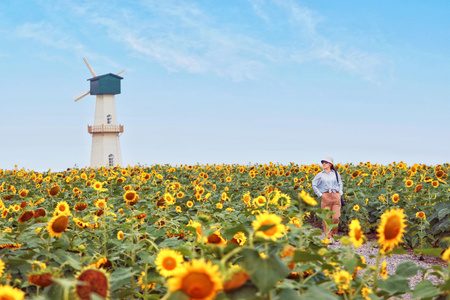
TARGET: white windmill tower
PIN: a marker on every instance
(105, 132)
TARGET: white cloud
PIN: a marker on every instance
(48, 35)
(183, 37)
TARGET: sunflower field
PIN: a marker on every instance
(221, 232)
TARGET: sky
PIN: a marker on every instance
(234, 82)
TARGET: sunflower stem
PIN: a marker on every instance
(300, 245)
(375, 275)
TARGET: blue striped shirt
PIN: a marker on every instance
(324, 182)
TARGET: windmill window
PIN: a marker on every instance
(108, 119)
(111, 160)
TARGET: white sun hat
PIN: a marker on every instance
(328, 159)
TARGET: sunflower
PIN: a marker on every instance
(446, 255)
(356, 207)
(40, 278)
(237, 278)
(26, 216)
(366, 291)
(180, 195)
(10, 293)
(216, 239)
(129, 196)
(259, 201)
(356, 235)
(439, 174)
(307, 198)
(421, 215)
(409, 183)
(200, 280)
(62, 208)
(168, 262)
(189, 204)
(54, 190)
(355, 174)
(274, 232)
(96, 282)
(435, 183)
(23, 193)
(246, 198)
(219, 205)
(102, 262)
(239, 238)
(169, 199)
(391, 229)
(141, 283)
(284, 201)
(97, 185)
(57, 225)
(80, 206)
(295, 221)
(342, 279)
(383, 271)
(395, 198)
(2, 267)
(120, 235)
(81, 223)
(418, 188)
(100, 203)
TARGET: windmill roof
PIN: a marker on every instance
(109, 74)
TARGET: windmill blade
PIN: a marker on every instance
(121, 72)
(89, 67)
(76, 98)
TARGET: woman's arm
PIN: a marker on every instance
(315, 185)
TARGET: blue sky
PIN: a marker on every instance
(241, 81)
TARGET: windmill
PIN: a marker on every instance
(105, 132)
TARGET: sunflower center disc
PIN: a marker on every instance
(197, 285)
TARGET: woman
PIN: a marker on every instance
(328, 185)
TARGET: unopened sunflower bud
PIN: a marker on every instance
(345, 240)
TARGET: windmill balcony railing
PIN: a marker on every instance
(105, 129)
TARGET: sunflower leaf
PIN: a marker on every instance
(394, 285)
(264, 273)
(425, 289)
(407, 269)
(434, 251)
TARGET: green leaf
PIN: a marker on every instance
(178, 295)
(170, 242)
(290, 294)
(425, 289)
(394, 285)
(319, 292)
(67, 258)
(265, 227)
(264, 273)
(434, 251)
(54, 292)
(230, 232)
(443, 213)
(120, 277)
(398, 251)
(304, 256)
(407, 269)
(350, 264)
(244, 292)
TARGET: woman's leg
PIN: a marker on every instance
(336, 207)
(326, 203)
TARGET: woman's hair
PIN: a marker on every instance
(332, 168)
